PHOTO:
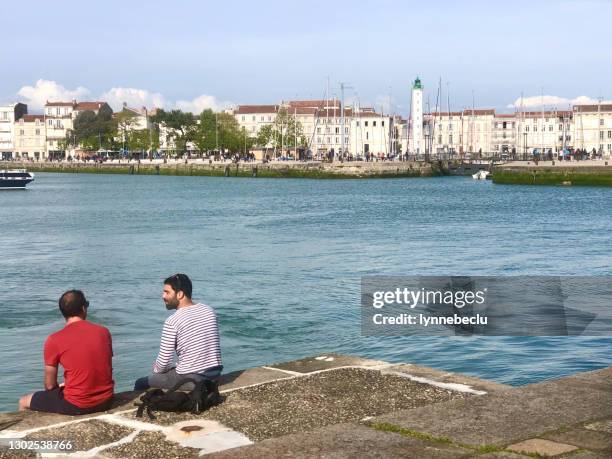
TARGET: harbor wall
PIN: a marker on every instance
(316, 170)
(554, 173)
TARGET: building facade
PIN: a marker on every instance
(59, 122)
(592, 128)
(8, 115)
(30, 137)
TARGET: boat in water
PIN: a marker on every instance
(15, 179)
(481, 175)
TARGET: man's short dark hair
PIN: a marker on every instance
(180, 283)
(72, 302)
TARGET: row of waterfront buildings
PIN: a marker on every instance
(358, 131)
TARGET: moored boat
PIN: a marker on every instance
(481, 175)
(15, 179)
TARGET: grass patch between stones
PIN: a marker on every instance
(481, 449)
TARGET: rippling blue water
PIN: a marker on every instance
(281, 262)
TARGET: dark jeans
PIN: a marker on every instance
(169, 379)
(53, 401)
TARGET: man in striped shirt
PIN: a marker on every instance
(192, 332)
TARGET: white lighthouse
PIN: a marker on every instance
(416, 113)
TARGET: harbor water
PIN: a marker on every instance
(281, 261)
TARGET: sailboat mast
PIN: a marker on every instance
(450, 143)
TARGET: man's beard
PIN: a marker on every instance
(171, 304)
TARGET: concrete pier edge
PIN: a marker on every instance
(340, 406)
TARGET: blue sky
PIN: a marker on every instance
(195, 54)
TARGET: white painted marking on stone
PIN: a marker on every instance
(23, 433)
(222, 441)
(456, 387)
(321, 357)
(212, 437)
(329, 359)
(132, 423)
(289, 372)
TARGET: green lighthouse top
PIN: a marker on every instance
(417, 84)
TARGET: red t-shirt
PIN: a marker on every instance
(85, 351)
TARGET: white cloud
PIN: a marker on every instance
(201, 103)
(552, 101)
(133, 97)
(45, 90)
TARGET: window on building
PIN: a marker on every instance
(337, 130)
(242, 117)
(318, 139)
(346, 130)
(57, 111)
(318, 130)
(526, 128)
(535, 128)
(439, 139)
(382, 123)
(328, 140)
(357, 123)
(561, 127)
(601, 122)
(253, 117)
(262, 118)
(601, 135)
(327, 130)
(50, 122)
(450, 139)
(374, 123)
(269, 118)
(346, 140)
(365, 123)
(367, 135)
(37, 131)
(609, 134)
(337, 141)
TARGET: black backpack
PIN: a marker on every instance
(204, 395)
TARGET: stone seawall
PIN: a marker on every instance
(316, 170)
(342, 406)
(587, 173)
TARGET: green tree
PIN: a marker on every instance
(205, 132)
(181, 126)
(282, 133)
(91, 130)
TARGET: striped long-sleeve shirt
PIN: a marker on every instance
(193, 333)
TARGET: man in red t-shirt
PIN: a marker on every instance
(85, 351)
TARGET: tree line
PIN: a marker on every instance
(209, 131)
